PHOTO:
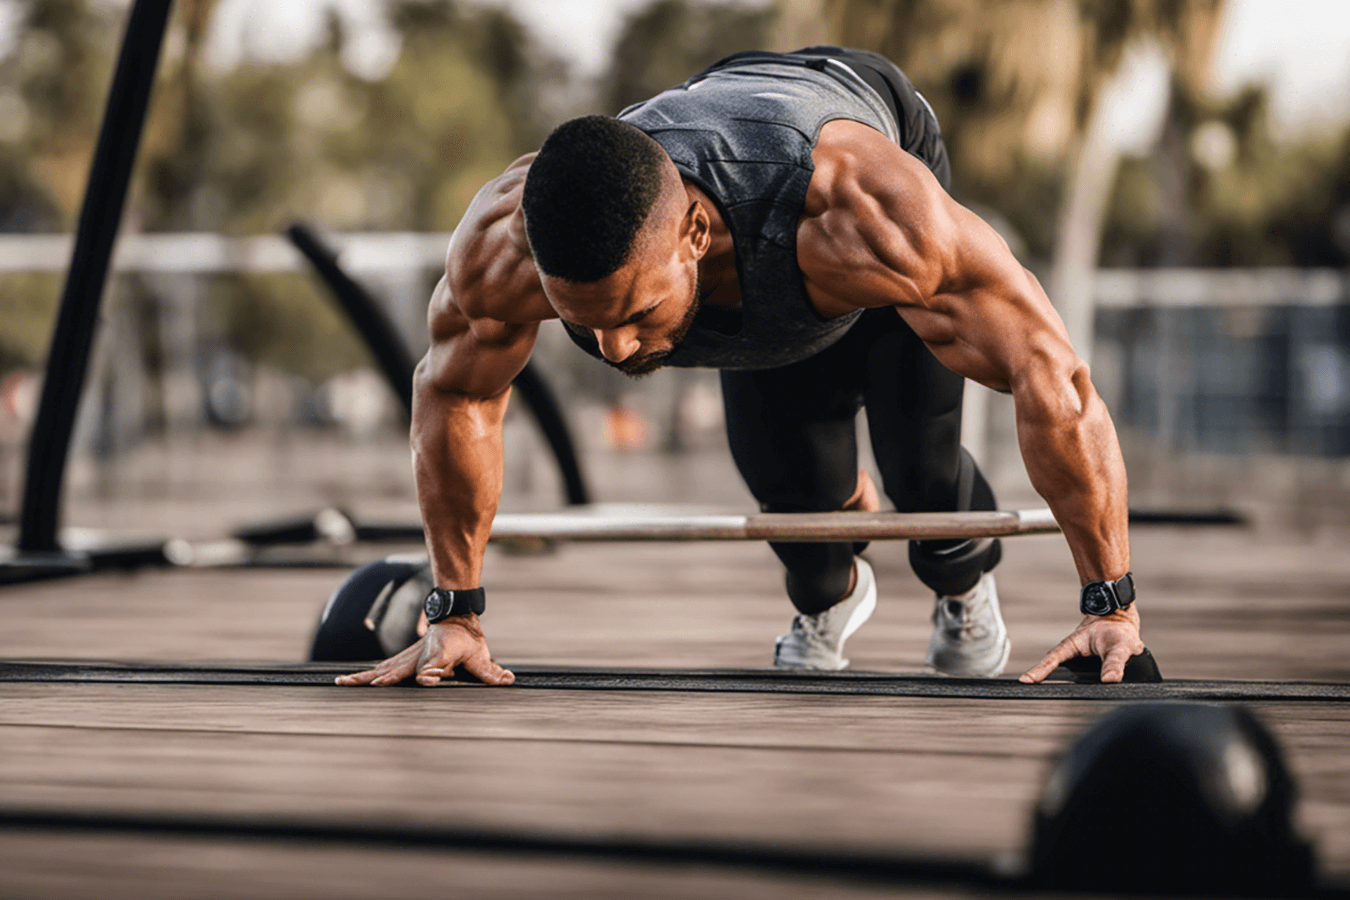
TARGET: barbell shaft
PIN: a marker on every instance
(840, 527)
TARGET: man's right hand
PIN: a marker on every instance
(452, 644)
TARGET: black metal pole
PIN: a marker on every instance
(378, 332)
(397, 363)
(104, 199)
(539, 397)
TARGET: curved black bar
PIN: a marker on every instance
(540, 399)
(397, 364)
(100, 215)
(390, 352)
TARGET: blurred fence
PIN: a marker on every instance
(1228, 361)
(1216, 360)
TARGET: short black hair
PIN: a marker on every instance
(588, 192)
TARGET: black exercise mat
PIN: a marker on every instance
(764, 681)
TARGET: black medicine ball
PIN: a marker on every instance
(1171, 798)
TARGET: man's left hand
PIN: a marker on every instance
(1114, 638)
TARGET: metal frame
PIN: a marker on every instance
(397, 364)
(100, 215)
(38, 552)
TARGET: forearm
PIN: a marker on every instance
(1072, 454)
(457, 465)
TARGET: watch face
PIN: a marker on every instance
(1097, 599)
(437, 604)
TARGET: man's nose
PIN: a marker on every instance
(617, 344)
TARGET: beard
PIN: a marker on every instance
(646, 363)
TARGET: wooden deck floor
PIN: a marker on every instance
(948, 777)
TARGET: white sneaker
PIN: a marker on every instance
(969, 640)
(817, 642)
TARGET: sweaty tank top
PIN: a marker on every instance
(744, 135)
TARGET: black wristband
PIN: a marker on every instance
(1101, 598)
(442, 603)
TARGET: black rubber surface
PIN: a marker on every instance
(763, 681)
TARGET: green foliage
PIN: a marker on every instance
(251, 150)
(51, 96)
(271, 143)
(283, 321)
(28, 310)
(1251, 201)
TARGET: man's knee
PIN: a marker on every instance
(820, 491)
(927, 486)
(818, 575)
(953, 567)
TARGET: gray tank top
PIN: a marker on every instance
(744, 134)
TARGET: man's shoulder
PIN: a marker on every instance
(876, 227)
(489, 268)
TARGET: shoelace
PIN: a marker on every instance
(971, 627)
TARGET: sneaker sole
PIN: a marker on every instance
(993, 672)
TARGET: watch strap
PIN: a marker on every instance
(443, 603)
(1125, 590)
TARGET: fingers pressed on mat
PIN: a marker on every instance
(1060, 653)
(488, 672)
(1113, 666)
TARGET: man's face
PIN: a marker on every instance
(640, 313)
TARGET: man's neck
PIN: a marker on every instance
(717, 268)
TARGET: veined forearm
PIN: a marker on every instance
(1071, 452)
(457, 464)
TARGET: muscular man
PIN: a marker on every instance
(783, 218)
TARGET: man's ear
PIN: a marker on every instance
(696, 228)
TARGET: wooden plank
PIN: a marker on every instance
(969, 797)
(883, 774)
(58, 866)
(1230, 604)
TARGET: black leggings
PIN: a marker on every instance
(792, 429)
(793, 435)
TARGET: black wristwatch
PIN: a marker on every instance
(443, 603)
(1101, 598)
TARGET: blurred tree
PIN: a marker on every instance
(51, 94)
(50, 103)
(250, 150)
(1014, 82)
(1248, 198)
(670, 40)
